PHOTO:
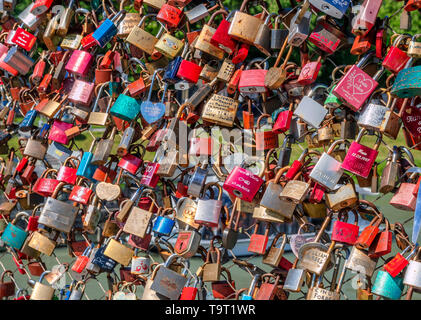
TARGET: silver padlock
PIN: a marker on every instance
(197, 181)
(263, 36)
(327, 170)
(168, 282)
(310, 111)
(372, 116)
(295, 279)
(30, 20)
(209, 210)
(198, 13)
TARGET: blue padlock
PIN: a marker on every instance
(107, 30)
(14, 236)
(29, 119)
(104, 263)
(170, 74)
(86, 169)
(332, 8)
(388, 287)
(163, 225)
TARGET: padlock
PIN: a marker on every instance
(242, 183)
(391, 171)
(327, 170)
(14, 236)
(258, 242)
(203, 41)
(208, 211)
(362, 88)
(310, 111)
(42, 291)
(332, 8)
(366, 18)
(274, 254)
(396, 59)
(58, 214)
(343, 231)
(108, 29)
(164, 225)
(168, 282)
(142, 39)
(244, 27)
(359, 158)
(253, 80)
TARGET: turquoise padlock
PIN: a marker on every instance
(86, 168)
(14, 236)
(125, 108)
(388, 287)
(407, 83)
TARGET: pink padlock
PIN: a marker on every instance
(359, 158)
(57, 131)
(150, 178)
(243, 184)
(356, 86)
(79, 62)
(82, 92)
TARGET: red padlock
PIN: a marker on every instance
(398, 263)
(24, 39)
(169, 15)
(382, 244)
(45, 186)
(81, 194)
(396, 59)
(296, 166)
(221, 38)
(369, 233)
(412, 5)
(359, 158)
(309, 72)
(224, 288)
(130, 163)
(366, 18)
(41, 6)
(265, 139)
(82, 260)
(189, 71)
(67, 172)
(316, 194)
(258, 242)
(283, 121)
(343, 231)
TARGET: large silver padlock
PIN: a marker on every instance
(209, 210)
(168, 282)
(327, 170)
(372, 116)
(198, 13)
(58, 214)
(310, 111)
